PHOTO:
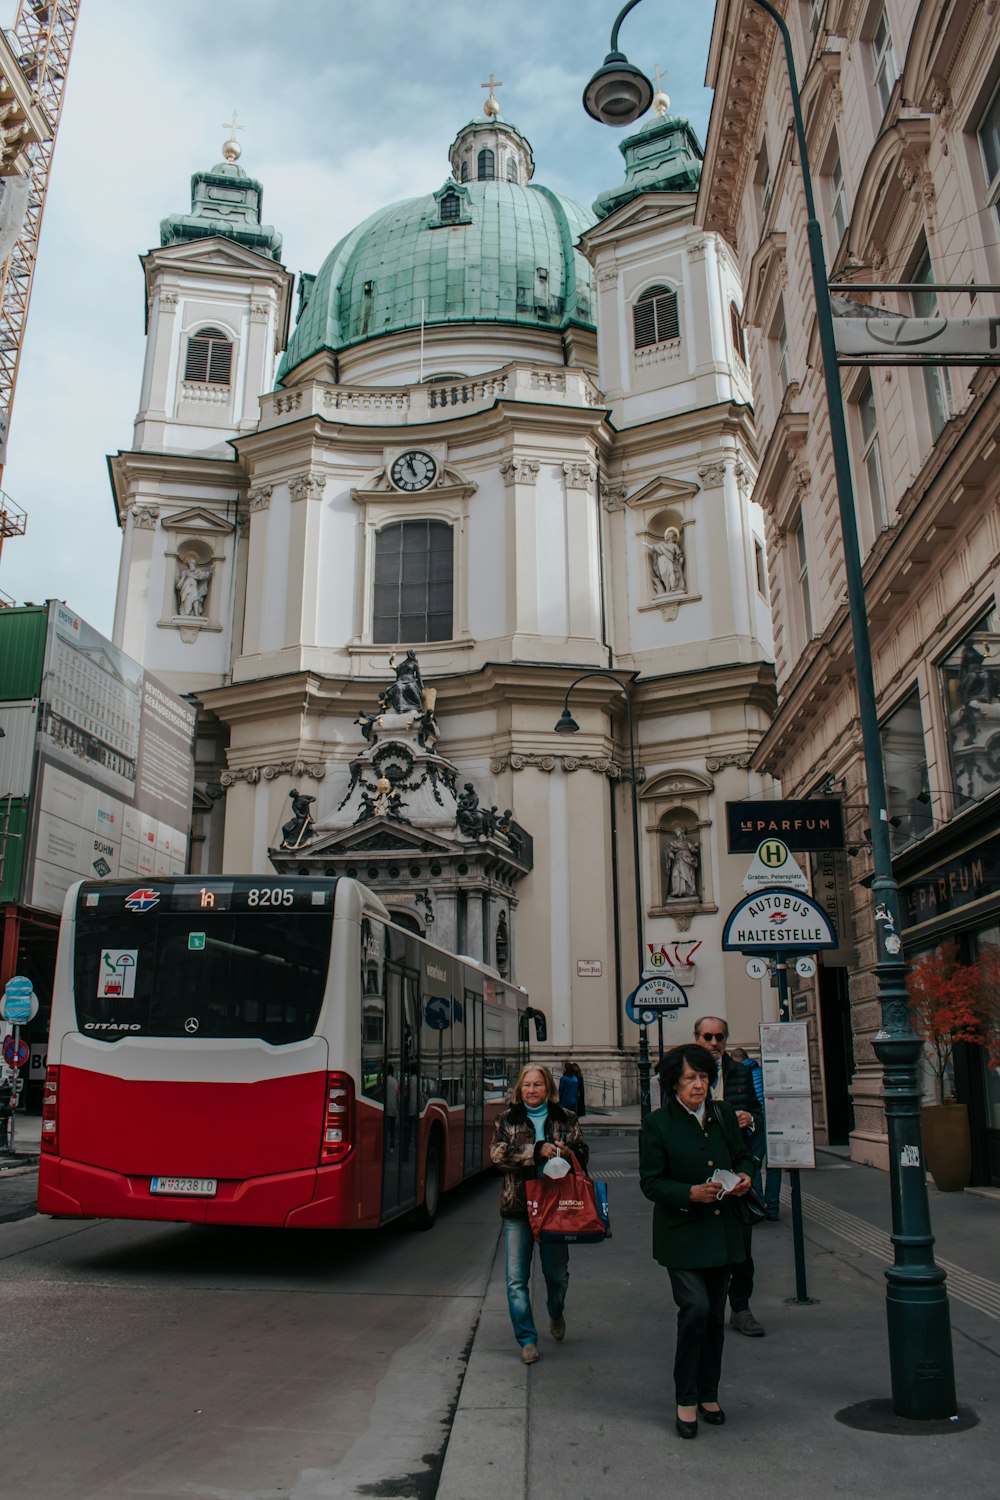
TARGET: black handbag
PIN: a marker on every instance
(751, 1208)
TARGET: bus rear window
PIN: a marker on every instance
(210, 974)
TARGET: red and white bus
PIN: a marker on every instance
(266, 1051)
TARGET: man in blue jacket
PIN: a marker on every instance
(735, 1086)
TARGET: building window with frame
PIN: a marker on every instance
(936, 383)
(871, 455)
(209, 358)
(738, 334)
(655, 317)
(414, 583)
(779, 342)
(838, 196)
(884, 68)
(451, 208)
(816, 8)
(512, 172)
(989, 144)
(800, 563)
(760, 567)
(762, 183)
(464, 174)
(486, 165)
(970, 682)
(907, 784)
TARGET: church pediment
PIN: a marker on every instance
(662, 491)
(215, 251)
(196, 521)
(451, 484)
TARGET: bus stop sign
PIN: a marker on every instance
(653, 997)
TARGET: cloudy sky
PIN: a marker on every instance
(348, 106)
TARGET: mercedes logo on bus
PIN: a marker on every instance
(191, 1024)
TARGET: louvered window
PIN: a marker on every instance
(486, 165)
(655, 317)
(209, 357)
(414, 572)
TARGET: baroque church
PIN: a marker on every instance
(377, 525)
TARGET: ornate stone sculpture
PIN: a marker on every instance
(408, 690)
(469, 816)
(681, 856)
(666, 561)
(296, 830)
(191, 586)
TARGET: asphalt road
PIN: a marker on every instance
(150, 1361)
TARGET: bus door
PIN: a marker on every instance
(402, 1079)
(473, 1082)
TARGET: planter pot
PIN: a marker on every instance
(947, 1145)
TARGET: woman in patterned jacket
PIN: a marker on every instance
(532, 1130)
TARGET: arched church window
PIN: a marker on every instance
(451, 206)
(465, 171)
(209, 357)
(414, 576)
(486, 165)
(512, 170)
(655, 318)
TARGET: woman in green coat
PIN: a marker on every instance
(697, 1232)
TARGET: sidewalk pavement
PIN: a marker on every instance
(595, 1416)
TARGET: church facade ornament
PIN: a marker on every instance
(145, 517)
(286, 401)
(715, 763)
(614, 497)
(168, 300)
(308, 486)
(259, 312)
(544, 763)
(259, 498)
(712, 475)
(519, 471)
(267, 772)
(579, 476)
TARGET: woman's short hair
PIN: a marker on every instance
(552, 1093)
(698, 1059)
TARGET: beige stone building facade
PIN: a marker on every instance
(901, 101)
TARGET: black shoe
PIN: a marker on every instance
(686, 1429)
(713, 1418)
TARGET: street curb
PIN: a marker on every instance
(487, 1452)
(607, 1130)
(6, 1172)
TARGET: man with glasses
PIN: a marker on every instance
(735, 1086)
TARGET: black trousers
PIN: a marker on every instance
(701, 1313)
(741, 1286)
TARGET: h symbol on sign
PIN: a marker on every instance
(772, 853)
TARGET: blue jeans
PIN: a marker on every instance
(520, 1245)
(772, 1189)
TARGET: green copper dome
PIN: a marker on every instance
(497, 251)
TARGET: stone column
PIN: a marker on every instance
(306, 491)
(258, 505)
(582, 581)
(519, 475)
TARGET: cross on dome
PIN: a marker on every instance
(492, 106)
(661, 99)
(231, 148)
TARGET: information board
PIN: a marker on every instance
(788, 1110)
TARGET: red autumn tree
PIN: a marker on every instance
(947, 1003)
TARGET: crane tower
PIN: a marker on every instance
(34, 63)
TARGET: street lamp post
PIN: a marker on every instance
(568, 725)
(919, 1328)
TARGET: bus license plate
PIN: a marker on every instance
(184, 1187)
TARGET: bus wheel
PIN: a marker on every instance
(427, 1211)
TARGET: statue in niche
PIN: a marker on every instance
(407, 692)
(294, 832)
(501, 944)
(191, 586)
(666, 560)
(680, 859)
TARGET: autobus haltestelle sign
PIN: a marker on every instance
(778, 919)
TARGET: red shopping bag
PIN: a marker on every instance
(568, 1210)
